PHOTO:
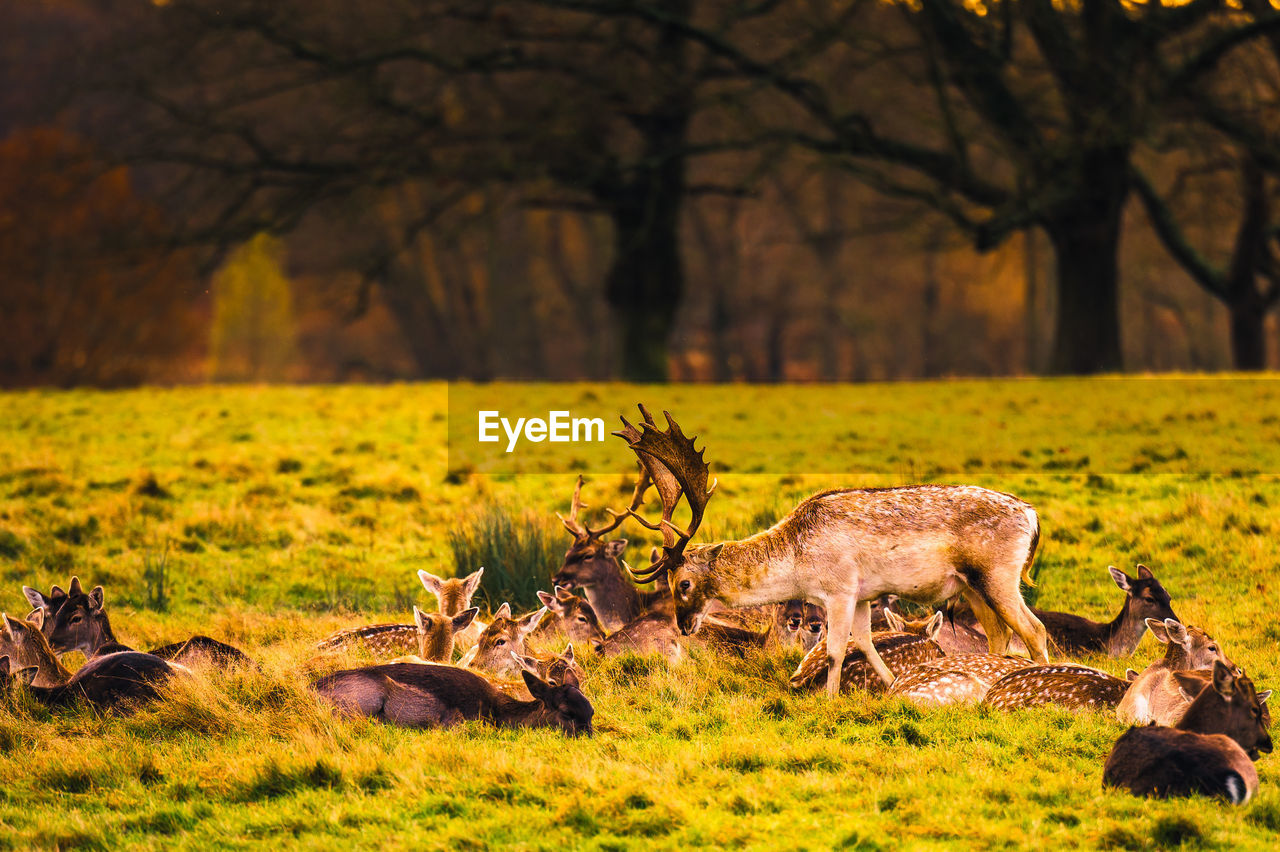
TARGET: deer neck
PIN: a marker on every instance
(754, 571)
(436, 647)
(103, 634)
(614, 598)
(50, 673)
(1123, 633)
(508, 710)
(1205, 715)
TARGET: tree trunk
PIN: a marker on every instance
(1248, 335)
(1085, 233)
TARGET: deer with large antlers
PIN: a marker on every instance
(844, 548)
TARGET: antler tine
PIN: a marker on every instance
(572, 524)
(637, 500)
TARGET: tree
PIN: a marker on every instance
(252, 337)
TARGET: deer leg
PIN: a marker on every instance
(840, 618)
(1030, 630)
(997, 632)
(862, 639)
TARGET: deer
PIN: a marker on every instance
(844, 548)
(596, 565)
(1210, 751)
(570, 616)
(433, 633)
(558, 670)
(109, 681)
(442, 696)
(962, 679)
(492, 652)
(900, 650)
(1066, 685)
(1187, 649)
(77, 621)
(453, 597)
(954, 639)
(796, 623)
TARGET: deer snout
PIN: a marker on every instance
(1264, 746)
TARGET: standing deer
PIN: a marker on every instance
(453, 597)
(1187, 649)
(503, 637)
(963, 679)
(442, 696)
(844, 548)
(900, 651)
(1210, 752)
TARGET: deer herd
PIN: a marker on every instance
(829, 579)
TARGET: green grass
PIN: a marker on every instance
(287, 513)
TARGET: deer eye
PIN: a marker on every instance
(685, 585)
(75, 619)
(582, 618)
(500, 642)
(1213, 648)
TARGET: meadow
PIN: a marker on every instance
(270, 516)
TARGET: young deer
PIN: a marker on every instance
(954, 639)
(557, 671)
(844, 548)
(596, 565)
(797, 623)
(504, 635)
(453, 597)
(963, 679)
(1188, 649)
(653, 633)
(1065, 684)
(77, 621)
(443, 696)
(900, 651)
(1210, 752)
(570, 616)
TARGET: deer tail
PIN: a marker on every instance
(1034, 520)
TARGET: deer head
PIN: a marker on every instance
(563, 707)
(577, 618)
(1144, 597)
(800, 623)
(48, 604)
(677, 470)
(25, 644)
(80, 623)
(590, 559)
(11, 673)
(1189, 647)
(453, 595)
(436, 632)
(557, 671)
(1229, 705)
(504, 635)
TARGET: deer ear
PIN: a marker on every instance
(1158, 630)
(933, 627)
(56, 592)
(564, 593)
(37, 618)
(430, 582)
(1177, 631)
(504, 611)
(538, 688)
(463, 620)
(1130, 675)
(613, 549)
(567, 656)
(1121, 579)
(35, 597)
(1263, 696)
(419, 618)
(473, 581)
(1144, 573)
(548, 600)
(894, 620)
(96, 598)
(74, 588)
(531, 621)
(715, 551)
(1223, 680)
(7, 623)
(1189, 685)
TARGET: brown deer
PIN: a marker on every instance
(900, 651)
(1064, 684)
(963, 679)
(77, 621)
(453, 597)
(503, 637)
(570, 616)
(558, 670)
(596, 565)
(1210, 752)
(954, 639)
(1187, 649)
(25, 645)
(844, 548)
(797, 623)
(442, 696)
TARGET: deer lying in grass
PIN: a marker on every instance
(569, 616)
(453, 597)
(844, 548)
(963, 679)
(434, 634)
(442, 696)
(77, 621)
(1187, 649)
(108, 681)
(561, 669)
(1210, 752)
(954, 639)
(503, 637)
(900, 651)
(1066, 685)
(797, 624)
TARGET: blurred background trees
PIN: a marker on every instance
(694, 189)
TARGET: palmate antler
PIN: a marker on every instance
(677, 469)
(581, 532)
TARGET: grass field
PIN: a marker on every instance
(287, 513)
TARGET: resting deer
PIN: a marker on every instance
(954, 639)
(1187, 649)
(963, 679)
(900, 651)
(570, 616)
(504, 636)
(1210, 752)
(77, 621)
(797, 623)
(443, 696)
(453, 597)
(26, 645)
(433, 633)
(558, 670)
(596, 565)
(1065, 685)
(844, 548)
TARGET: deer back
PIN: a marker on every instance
(379, 639)
(1067, 685)
(1167, 762)
(963, 679)
(900, 651)
(652, 633)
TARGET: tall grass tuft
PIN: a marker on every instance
(155, 573)
(519, 554)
